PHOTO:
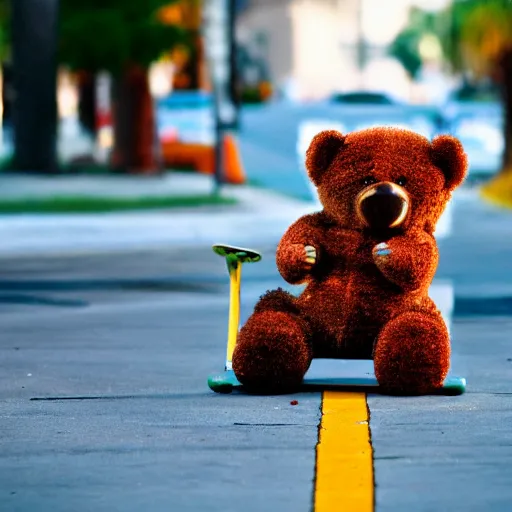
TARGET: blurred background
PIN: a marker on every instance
(235, 89)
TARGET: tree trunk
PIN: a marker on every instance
(134, 129)
(7, 94)
(506, 76)
(87, 102)
(34, 43)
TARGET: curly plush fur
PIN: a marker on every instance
(367, 287)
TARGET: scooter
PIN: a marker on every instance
(226, 381)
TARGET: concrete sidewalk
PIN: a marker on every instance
(51, 234)
(259, 215)
(174, 183)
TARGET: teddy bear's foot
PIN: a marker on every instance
(412, 354)
(272, 353)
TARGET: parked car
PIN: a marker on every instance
(474, 114)
(363, 98)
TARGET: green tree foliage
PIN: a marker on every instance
(478, 32)
(480, 41)
(405, 50)
(476, 40)
(111, 35)
(122, 37)
(406, 46)
(5, 30)
(472, 34)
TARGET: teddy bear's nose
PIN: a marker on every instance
(383, 205)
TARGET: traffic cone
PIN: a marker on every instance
(233, 168)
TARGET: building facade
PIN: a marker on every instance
(314, 48)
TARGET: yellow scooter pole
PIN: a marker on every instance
(235, 257)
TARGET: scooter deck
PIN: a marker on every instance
(226, 382)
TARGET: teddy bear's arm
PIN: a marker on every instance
(409, 261)
(299, 249)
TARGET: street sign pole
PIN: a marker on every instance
(218, 34)
(233, 63)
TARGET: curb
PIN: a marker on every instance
(87, 235)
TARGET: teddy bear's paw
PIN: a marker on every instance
(295, 261)
(382, 250)
(381, 255)
(310, 254)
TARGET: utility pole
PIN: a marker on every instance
(34, 49)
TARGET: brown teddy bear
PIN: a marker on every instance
(368, 259)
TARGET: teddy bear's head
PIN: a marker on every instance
(385, 178)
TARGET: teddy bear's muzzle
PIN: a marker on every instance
(382, 205)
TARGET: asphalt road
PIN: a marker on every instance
(269, 135)
(122, 346)
(127, 344)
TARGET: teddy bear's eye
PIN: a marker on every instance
(402, 181)
(368, 180)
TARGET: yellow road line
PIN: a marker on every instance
(344, 459)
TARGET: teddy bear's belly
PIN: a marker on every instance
(350, 310)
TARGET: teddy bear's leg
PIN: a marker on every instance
(412, 353)
(273, 350)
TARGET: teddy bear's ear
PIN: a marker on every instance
(321, 152)
(448, 154)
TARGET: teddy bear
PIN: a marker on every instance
(367, 260)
